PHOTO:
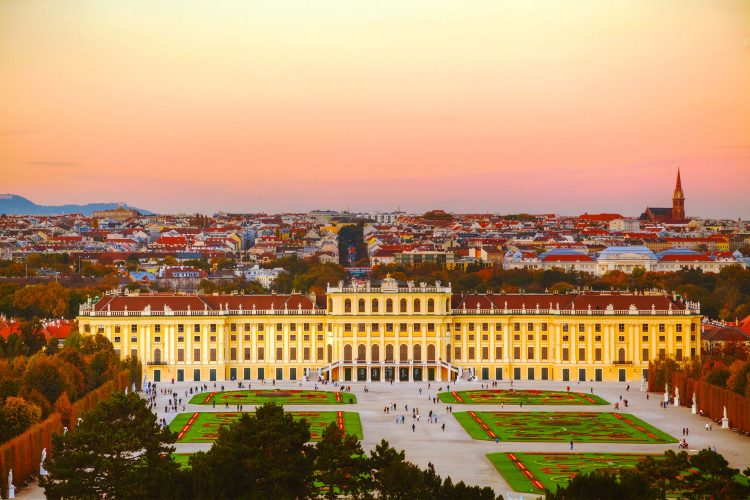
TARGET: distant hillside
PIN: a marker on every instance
(12, 204)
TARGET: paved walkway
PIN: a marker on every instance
(453, 452)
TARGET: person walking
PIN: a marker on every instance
(443, 427)
(571, 445)
(413, 427)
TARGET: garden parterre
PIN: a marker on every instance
(278, 396)
(203, 427)
(594, 427)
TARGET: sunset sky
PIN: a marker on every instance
(470, 106)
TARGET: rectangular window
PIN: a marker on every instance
(375, 328)
(498, 352)
(212, 354)
(565, 338)
(471, 353)
(530, 327)
(678, 338)
(516, 327)
(544, 353)
(233, 354)
(260, 337)
(581, 338)
(306, 354)
(621, 338)
(516, 337)
(621, 327)
(117, 340)
(661, 327)
(279, 327)
(565, 328)
(530, 352)
(692, 327)
(117, 328)
(485, 327)
(180, 328)
(261, 326)
(293, 327)
(261, 354)
(213, 338)
(133, 328)
(644, 338)
(430, 327)
(457, 353)
(581, 327)
(662, 338)
(417, 327)
(457, 336)
(498, 337)
(565, 355)
(516, 352)
(402, 327)
(644, 327)
(320, 337)
(233, 327)
(196, 328)
(644, 354)
(293, 353)
(279, 353)
(320, 353)
(529, 337)
(678, 327)
(180, 339)
(499, 327)
(598, 354)
(581, 354)
(180, 354)
(134, 340)
(597, 328)
(247, 327)
(471, 337)
(544, 327)
(347, 327)
(485, 352)
(360, 327)
(247, 354)
(196, 354)
(598, 338)
(233, 338)
(678, 355)
(471, 327)
(87, 328)
(485, 337)
(158, 339)
(389, 327)
(306, 338)
(279, 338)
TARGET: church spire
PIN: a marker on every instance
(678, 200)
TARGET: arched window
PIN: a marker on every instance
(330, 353)
(402, 308)
(448, 353)
(389, 305)
(403, 353)
(389, 352)
(347, 352)
(361, 352)
(431, 306)
(374, 305)
(417, 306)
(361, 306)
(417, 352)
(375, 353)
(431, 352)
(621, 355)
(347, 306)
(157, 355)
(330, 305)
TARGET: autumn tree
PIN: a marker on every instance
(17, 415)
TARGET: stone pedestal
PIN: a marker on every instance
(677, 400)
(725, 423)
(11, 491)
(42, 470)
(694, 411)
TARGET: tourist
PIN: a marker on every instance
(571, 445)
(443, 427)
(413, 426)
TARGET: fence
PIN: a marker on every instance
(23, 453)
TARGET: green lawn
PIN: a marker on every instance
(533, 472)
(527, 397)
(280, 396)
(561, 426)
(204, 427)
(182, 459)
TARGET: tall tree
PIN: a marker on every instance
(116, 451)
(340, 464)
(264, 455)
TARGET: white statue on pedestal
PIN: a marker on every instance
(666, 393)
(42, 470)
(725, 420)
(11, 487)
(677, 396)
(695, 403)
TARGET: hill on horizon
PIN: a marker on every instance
(13, 204)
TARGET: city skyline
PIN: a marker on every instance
(502, 107)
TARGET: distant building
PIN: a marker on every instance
(674, 215)
(625, 225)
(263, 276)
(120, 214)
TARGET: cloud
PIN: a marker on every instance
(54, 164)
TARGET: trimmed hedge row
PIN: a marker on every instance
(712, 400)
(23, 453)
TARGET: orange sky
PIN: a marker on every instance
(549, 106)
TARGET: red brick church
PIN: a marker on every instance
(674, 215)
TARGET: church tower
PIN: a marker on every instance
(678, 201)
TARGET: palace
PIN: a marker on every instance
(396, 332)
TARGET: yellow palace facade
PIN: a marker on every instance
(396, 332)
